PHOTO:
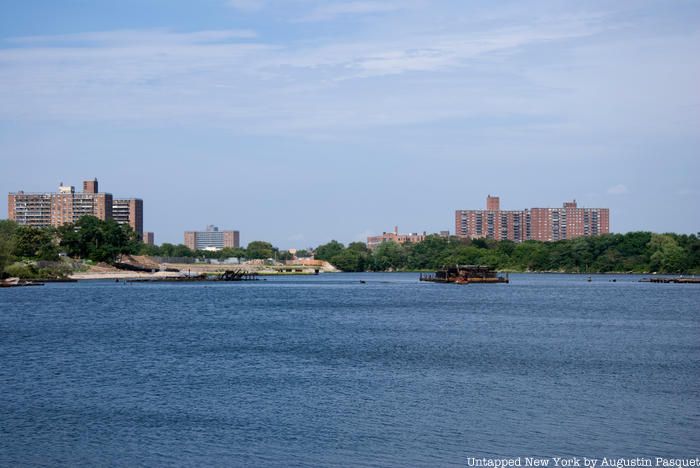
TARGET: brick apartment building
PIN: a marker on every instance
(129, 211)
(68, 206)
(414, 237)
(212, 239)
(543, 224)
(149, 238)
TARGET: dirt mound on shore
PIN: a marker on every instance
(143, 261)
(102, 268)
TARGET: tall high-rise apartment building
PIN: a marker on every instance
(55, 209)
(129, 211)
(543, 224)
(68, 206)
(212, 239)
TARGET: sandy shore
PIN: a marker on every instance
(108, 272)
(120, 274)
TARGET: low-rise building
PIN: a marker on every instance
(413, 237)
(212, 238)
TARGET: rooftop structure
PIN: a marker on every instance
(543, 224)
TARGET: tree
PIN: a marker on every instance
(360, 247)
(580, 253)
(350, 260)
(181, 250)
(20, 270)
(530, 256)
(284, 255)
(634, 244)
(260, 250)
(693, 252)
(151, 250)
(232, 252)
(464, 255)
(329, 250)
(388, 256)
(506, 247)
(97, 240)
(7, 243)
(38, 243)
(493, 258)
(483, 243)
(430, 254)
(611, 260)
(667, 256)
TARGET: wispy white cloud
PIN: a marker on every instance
(233, 78)
(389, 93)
(333, 10)
(165, 74)
(123, 38)
(430, 51)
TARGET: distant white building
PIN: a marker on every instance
(212, 239)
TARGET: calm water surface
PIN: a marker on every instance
(328, 371)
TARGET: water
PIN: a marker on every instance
(328, 371)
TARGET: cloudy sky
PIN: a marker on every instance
(301, 121)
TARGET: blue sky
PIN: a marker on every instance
(301, 121)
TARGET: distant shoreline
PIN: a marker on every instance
(129, 275)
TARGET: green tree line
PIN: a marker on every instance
(104, 241)
(254, 250)
(89, 238)
(98, 241)
(632, 252)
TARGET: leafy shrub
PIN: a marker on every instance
(20, 270)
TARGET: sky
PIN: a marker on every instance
(302, 121)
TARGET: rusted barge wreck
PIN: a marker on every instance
(466, 274)
(228, 275)
(679, 280)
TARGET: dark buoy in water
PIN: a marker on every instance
(590, 279)
(363, 282)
